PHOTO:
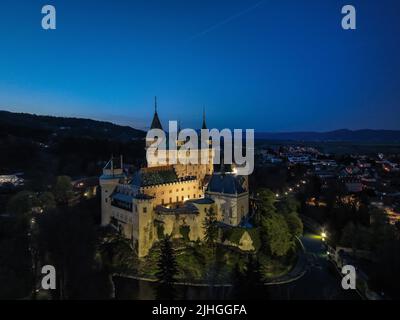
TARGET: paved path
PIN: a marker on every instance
(320, 282)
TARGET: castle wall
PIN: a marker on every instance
(170, 193)
(108, 186)
(172, 224)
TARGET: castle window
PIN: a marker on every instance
(162, 201)
(182, 198)
(194, 196)
(170, 200)
(144, 209)
(177, 199)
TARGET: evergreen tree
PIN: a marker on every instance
(167, 269)
(211, 229)
(248, 284)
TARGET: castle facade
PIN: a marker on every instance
(170, 199)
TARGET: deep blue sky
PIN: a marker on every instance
(274, 65)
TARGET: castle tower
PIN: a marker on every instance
(112, 175)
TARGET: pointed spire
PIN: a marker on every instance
(204, 126)
(156, 123)
(222, 170)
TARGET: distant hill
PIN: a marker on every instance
(366, 135)
(42, 126)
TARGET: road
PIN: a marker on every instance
(321, 282)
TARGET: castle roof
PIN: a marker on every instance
(122, 197)
(156, 123)
(188, 208)
(146, 177)
(202, 201)
(226, 183)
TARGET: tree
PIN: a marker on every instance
(288, 205)
(116, 252)
(167, 270)
(22, 203)
(47, 201)
(67, 240)
(63, 189)
(248, 284)
(210, 228)
(295, 224)
(267, 202)
(15, 260)
(276, 236)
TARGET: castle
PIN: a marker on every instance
(169, 199)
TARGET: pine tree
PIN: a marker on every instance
(211, 229)
(167, 269)
(248, 284)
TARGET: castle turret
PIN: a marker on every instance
(112, 175)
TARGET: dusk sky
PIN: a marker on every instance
(282, 65)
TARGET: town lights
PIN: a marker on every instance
(323, 235)
(277, 195)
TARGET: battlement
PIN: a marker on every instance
(180, 181)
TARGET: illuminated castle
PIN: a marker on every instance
(165, 200)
